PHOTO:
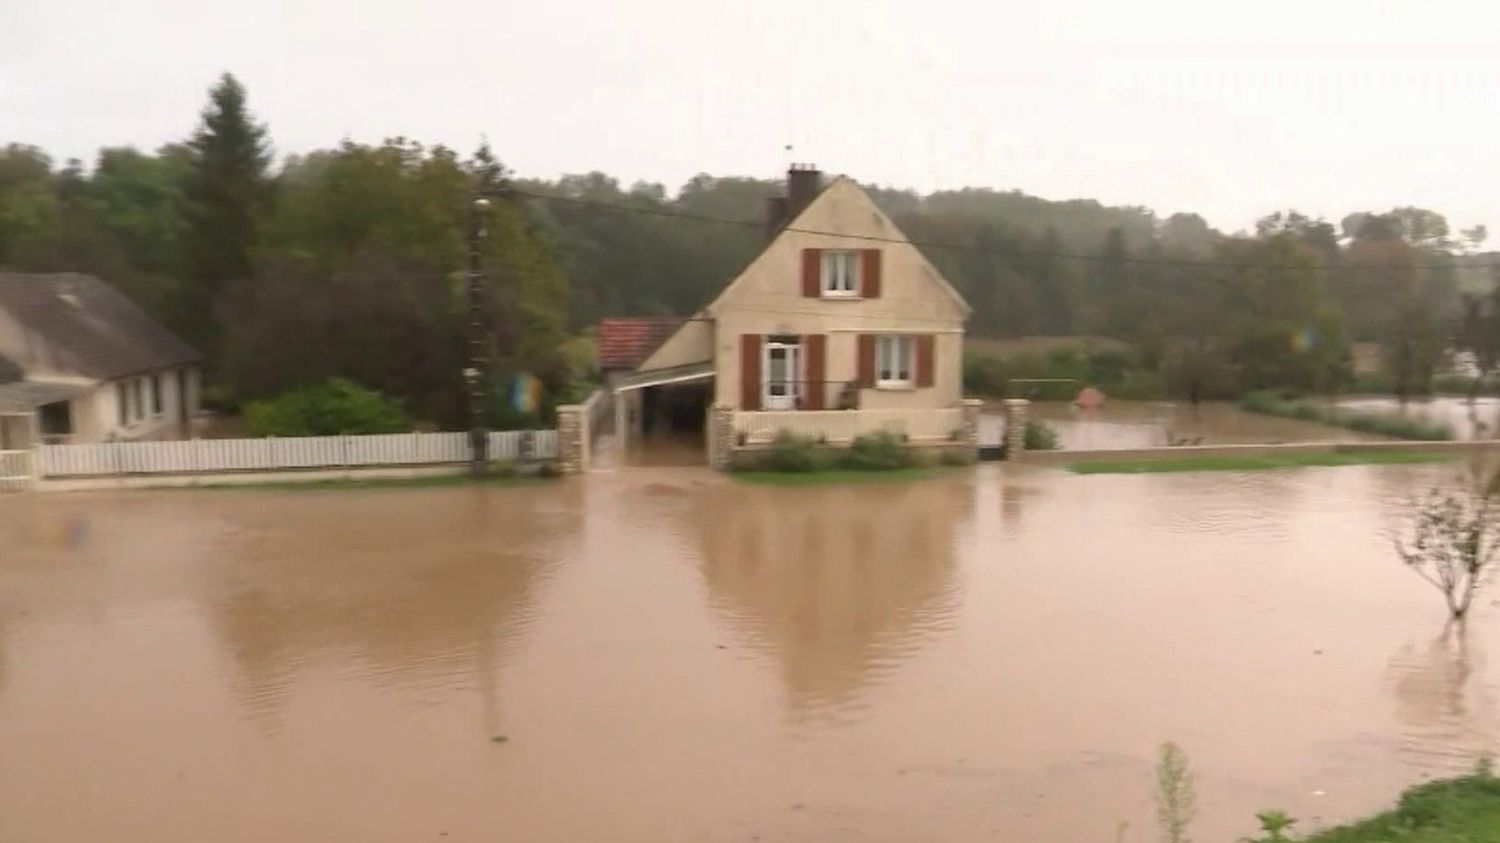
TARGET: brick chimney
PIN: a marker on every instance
(803, 181)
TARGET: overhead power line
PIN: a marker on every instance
(961, 247)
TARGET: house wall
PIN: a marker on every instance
(767, 299)
(96, 414)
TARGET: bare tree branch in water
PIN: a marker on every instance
(1451, 540)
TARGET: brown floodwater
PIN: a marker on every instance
(1150, 424)
(670, 655)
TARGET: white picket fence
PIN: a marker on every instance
(194, 456)
(15, 470)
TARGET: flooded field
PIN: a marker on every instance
(670, 655)
(1477, 420)
(1148, 424)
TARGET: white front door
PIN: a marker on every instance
(783, 362)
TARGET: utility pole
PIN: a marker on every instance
(475, 372)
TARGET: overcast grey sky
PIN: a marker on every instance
(1231, 111)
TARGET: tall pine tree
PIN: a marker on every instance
(227, 193)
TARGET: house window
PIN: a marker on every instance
(156, 395)
(122, 403)
(56, 421)
(893, 360)
(840, 273)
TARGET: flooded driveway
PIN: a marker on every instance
(670, 655)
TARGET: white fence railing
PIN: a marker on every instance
(15, 470)
(842, 426)
(272, 454)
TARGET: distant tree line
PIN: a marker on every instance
(348, 262)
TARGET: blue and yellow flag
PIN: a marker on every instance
(525, 393)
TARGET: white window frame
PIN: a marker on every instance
(839, 273)
(895, 361)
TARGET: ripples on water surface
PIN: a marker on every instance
(672, 656)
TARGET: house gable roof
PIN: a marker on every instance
(78, 325)
(878, 230)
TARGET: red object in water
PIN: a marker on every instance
(1089, 398)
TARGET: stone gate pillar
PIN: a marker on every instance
(572, 439)
(720, 436)
(1015, 426)
(970, 426)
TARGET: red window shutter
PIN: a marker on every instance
(867, 360)
(925, 363)
(812, 273)
(817, 371)
(750, 371)
(870, 274)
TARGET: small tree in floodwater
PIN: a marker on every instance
(1451, 541)
(1176, 800)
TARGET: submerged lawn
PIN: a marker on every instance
(1461, 810)
(1256, 462)
(819, 478)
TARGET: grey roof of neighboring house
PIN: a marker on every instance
(24, 396)
(82, 326)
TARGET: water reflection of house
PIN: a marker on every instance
(839, 584)
(406, 590)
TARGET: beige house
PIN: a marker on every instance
(839, 327)
(80, 362)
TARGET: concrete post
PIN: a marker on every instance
(572, 439)
(720, 437)
(1015, 426)
(970, 427)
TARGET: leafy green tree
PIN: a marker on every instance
(29, 206)
(1281, 329)
(227, 192)
(364, 277)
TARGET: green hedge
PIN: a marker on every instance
(794, 454)
(336, 406)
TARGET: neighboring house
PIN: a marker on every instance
(622, 343)
(80, 362)
(840, 326)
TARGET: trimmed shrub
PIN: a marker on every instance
(792, 453)
(1039, 436)
(336, 406)
(958, 456)
(876, 452)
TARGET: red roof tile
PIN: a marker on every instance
(624, 341)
